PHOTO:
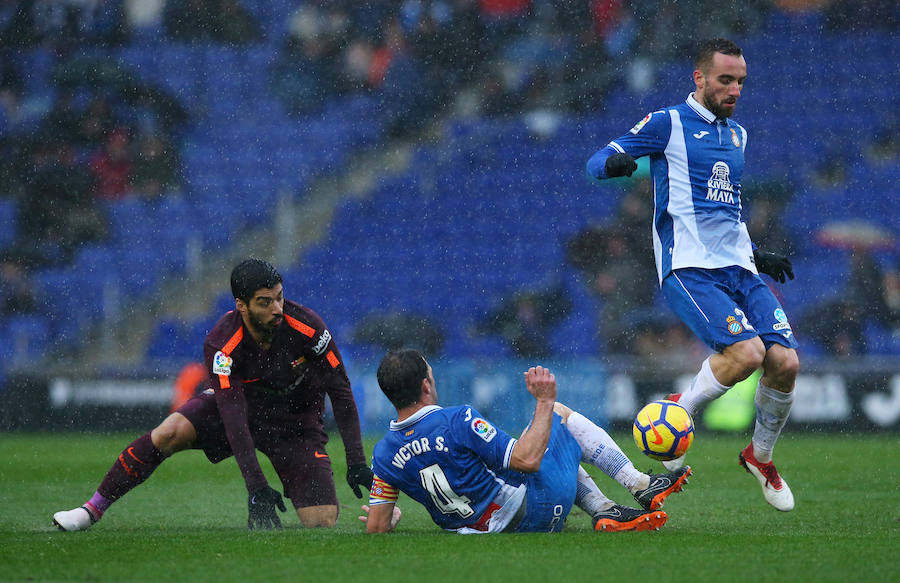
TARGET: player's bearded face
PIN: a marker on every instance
(266, 311)
(722, 84)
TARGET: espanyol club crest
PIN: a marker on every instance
(734, 326)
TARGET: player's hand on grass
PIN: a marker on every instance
(262, 504)
(396, 515)
(359, 475)
(774, 265)
(620, 165)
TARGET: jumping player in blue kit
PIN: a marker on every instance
(472, 477)
(708, 267)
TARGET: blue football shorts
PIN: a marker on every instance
(725, 306)
(551, 490)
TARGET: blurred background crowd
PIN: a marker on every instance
(146, 145)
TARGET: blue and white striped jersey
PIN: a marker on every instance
(696, 163)
(450, 460)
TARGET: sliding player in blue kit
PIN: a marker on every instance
(472, 477)
(707, 266)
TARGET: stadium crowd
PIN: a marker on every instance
(79, 130)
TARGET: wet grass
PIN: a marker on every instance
(187, 523)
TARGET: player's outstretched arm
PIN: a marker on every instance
(529, 449)
(381, 517)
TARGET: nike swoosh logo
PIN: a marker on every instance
(658, 438)
(319, 455)
(699, 135)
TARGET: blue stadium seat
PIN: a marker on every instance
(8, 222)
(29, 336)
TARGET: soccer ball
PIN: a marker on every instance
(663, 430)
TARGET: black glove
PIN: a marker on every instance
(620, 165)
(359, 475)
(262, 505)
(774, 265)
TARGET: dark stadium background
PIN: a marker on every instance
(416, 171)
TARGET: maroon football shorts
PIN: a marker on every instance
(300, 462)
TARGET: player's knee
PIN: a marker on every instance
(747, 355)
(562, 411)
(175, 433)
(318, 516)
(783, 364)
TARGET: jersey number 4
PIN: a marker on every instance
(446, 500)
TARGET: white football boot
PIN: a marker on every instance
(675, 464)
(76, 519)
(775, 489)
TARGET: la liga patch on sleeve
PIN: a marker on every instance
(483, 429)
(222, 364)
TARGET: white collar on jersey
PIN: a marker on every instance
(396, 426)
(706, 114)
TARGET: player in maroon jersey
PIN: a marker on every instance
(271, 363)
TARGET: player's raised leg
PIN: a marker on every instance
(600, 450)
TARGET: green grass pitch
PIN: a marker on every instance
(187, 523)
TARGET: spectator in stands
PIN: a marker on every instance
(407, 88)
(222, 21)
(400, 329)
(664, 342)
(447, 35)
(767, 202)
(891, 289)
(97, 121)
(56, 211)
(527, 319)
(884, 149)
(11, 85)
(64, 120)
(832, 169)
(854, 15)
(157, 167)
(16, 289)
(112, 167)
(839, 325)
(189, 20)
(235, 26)
(307, 71)
(616, 261)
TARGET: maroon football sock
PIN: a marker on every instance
(135, 464)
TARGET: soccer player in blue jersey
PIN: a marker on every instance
(707, 266)
(472, 477)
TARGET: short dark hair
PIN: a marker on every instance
(251, 275)
(400, 376)
(710, 47)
